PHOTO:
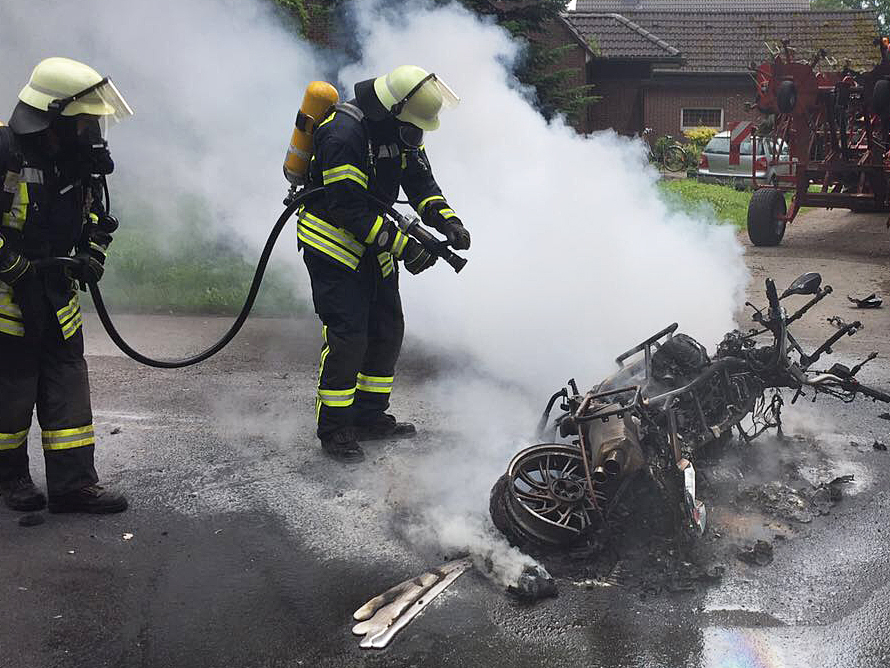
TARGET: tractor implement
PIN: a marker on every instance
(831, 128)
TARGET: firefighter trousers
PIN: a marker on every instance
(49, 372)
(362, 327)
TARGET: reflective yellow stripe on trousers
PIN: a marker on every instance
(13, 441)
(379, 384)
(330, 398)
(64, 439)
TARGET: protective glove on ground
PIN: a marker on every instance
(441, 217)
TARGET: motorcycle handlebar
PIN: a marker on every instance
(872, 392)
(771, 294)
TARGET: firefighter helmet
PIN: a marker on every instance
(414, 96)
(61, 86)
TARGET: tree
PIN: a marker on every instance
(305, 16)
(882, 7)
(525, 19)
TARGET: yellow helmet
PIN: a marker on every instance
(414, 96)
(61, 86)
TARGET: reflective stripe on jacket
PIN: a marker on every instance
(45, 219)
(352, 157)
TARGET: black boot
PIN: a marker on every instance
(92, 499)
(342, 446)
(21, 494)
(384, 426)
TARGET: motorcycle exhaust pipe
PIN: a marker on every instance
(614, 462)
(599, 475)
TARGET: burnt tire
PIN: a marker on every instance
(786, 97)
(497, 508)
(766, 217)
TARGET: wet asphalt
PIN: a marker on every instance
(249, 548)
(244, 546)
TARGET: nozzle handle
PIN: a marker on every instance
(428, 240)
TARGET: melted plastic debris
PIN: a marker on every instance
(385, 615)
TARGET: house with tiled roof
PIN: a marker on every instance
(676, 64)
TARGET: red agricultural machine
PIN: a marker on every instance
(832, 130)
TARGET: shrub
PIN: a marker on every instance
(697, 139)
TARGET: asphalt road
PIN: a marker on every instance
(251, 549)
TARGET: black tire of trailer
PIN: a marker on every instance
(766, 212)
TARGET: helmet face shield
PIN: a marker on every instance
(102, 100)
(414, 96)
(449, 98)
(110, 95)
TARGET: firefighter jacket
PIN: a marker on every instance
(43, 204)
(353, 156)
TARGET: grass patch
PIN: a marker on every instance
(194, 269)
(689, 195)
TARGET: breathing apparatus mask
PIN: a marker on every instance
(101, 101)
(84, 134)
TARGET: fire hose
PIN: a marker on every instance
(409, 226)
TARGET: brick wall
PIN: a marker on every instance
(555, 35)
(663, 103)
(318, 28)
(620, 87)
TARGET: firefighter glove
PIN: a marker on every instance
(441, 217)
(416, 257)
(13, 265)
(104, 225)
(92, 266)
(92, 254)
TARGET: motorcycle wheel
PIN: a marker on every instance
(542, 499)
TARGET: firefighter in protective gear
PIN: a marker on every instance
(372, 144)
(53, 157)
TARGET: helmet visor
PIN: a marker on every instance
(117, 108)
(449, 98)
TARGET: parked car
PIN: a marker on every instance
(714, 167)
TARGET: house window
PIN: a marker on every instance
(701, 118)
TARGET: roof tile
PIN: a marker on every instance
(729, 41)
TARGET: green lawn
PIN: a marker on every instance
(728, 204)
(192, 268)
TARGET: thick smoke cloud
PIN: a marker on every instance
(215, 85)
(575, 256)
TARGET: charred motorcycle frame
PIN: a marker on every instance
(645, 424)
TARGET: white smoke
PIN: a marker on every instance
(575, 257)
(215, 85)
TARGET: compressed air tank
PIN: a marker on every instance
(319, 97)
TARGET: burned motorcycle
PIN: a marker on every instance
(644, 425)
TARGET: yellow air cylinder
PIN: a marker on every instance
(319, 97)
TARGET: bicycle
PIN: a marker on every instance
(666, 153)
